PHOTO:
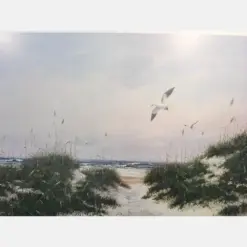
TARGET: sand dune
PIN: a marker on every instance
(132, 203)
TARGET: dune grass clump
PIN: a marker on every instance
(179, 184)
(42, 186)
(228, 146)
(104, 178)
(195, 184)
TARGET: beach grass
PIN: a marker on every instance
(43, 186)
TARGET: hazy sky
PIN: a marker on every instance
(105, 83)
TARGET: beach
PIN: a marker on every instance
(132, 203)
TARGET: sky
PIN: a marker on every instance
(104, 82)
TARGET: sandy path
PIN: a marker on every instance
(131, 180)
(132, 203)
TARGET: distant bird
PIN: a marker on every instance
(157, 109)
(25, 146)
(232, 101)
(167, 94)
(54, 113)
(202, 133)
(105, 133)
(62, 121)
(86, 142)
(192, 125)
(232, 119)
(182, 132)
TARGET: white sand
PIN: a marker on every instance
(132, 204)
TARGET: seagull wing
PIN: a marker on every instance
(192, 125)
(167, 94)
(154, 112)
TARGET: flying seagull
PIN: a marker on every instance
(54, 113)
(232, 119)
(182, 132)
(62, 121)
(105, 133)
(192, 125)
(232, 101)
(161, 106)
(167, 94)
(156, 109)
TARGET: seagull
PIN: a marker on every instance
(157, 109)
(62, 121)
(105, 133)
(167, 94)
(232, 101)
(182, 132)
(202, 133)
(54, 113)
(192, 125)
(232, 119)
(161, 106)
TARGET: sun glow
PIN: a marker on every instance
(186, 41)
